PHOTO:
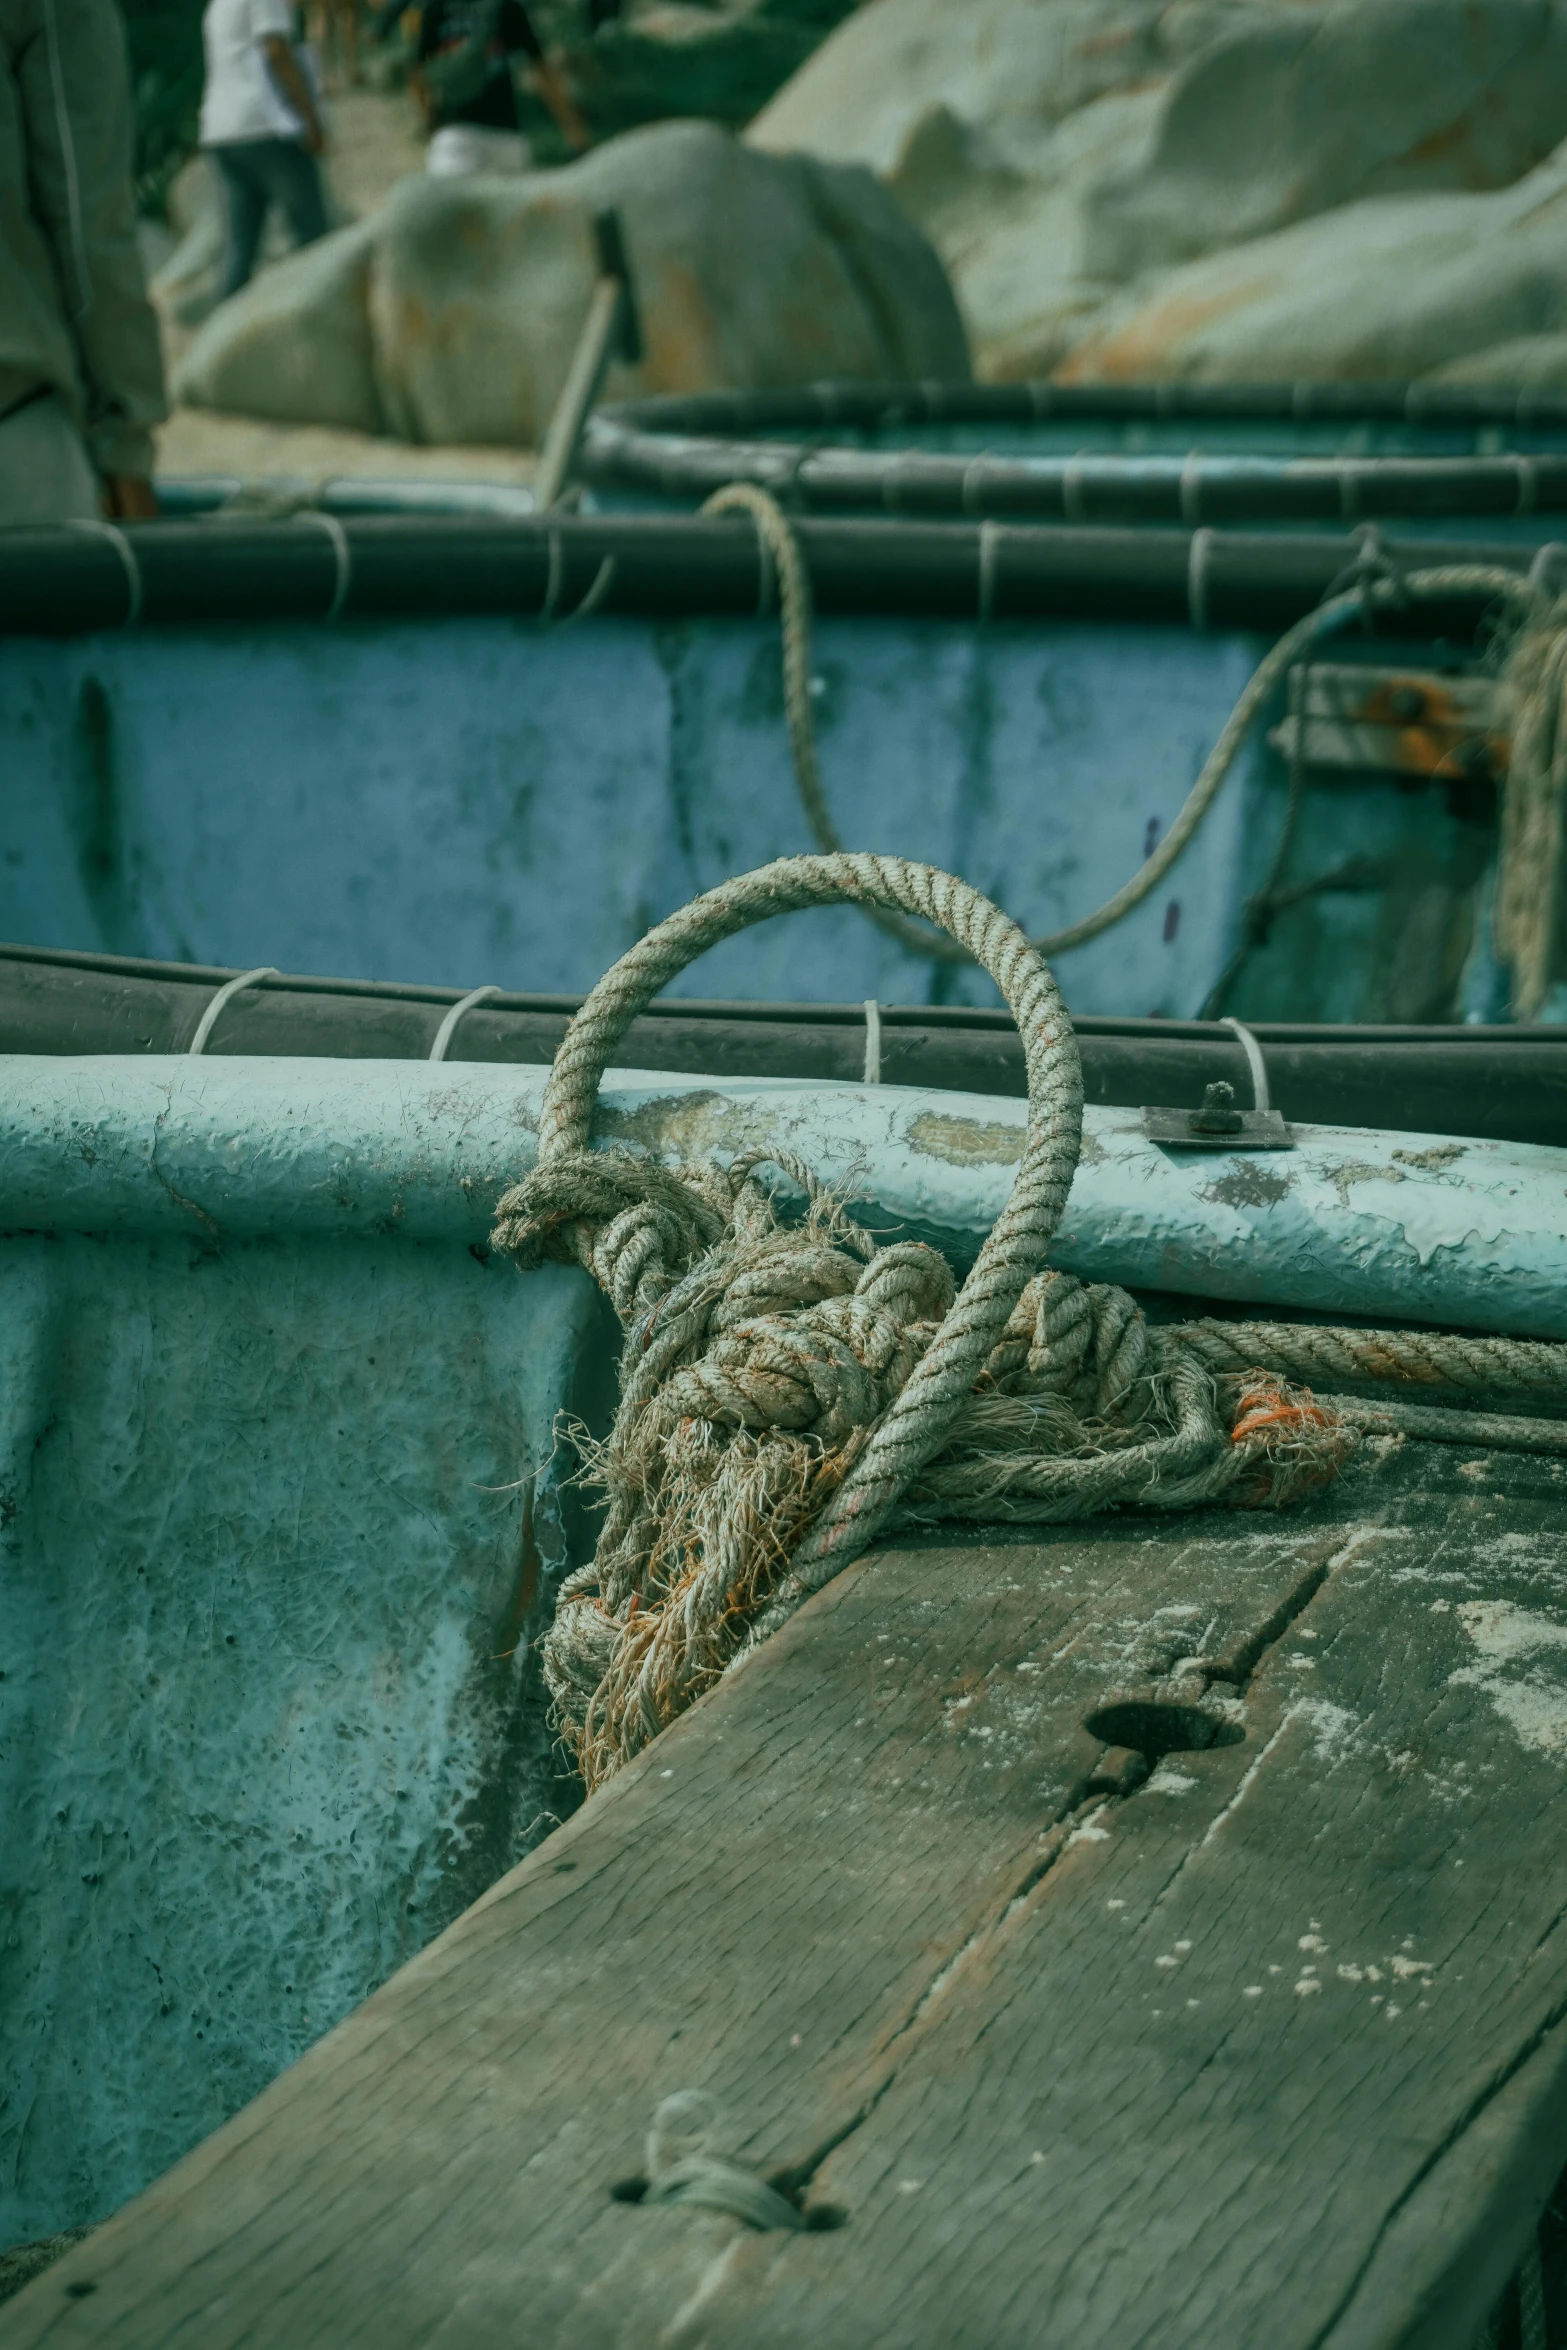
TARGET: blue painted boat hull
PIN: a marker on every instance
(480, 800)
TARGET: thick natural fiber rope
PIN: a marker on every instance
(785, 1393)
(1318, 1354)
(781, 550)
(786, 1396)
(1526, 912)
(918, 1420)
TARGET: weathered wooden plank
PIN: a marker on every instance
(866, 1896)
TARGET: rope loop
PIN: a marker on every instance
(790, 1387)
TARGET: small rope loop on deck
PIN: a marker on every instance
(686, 2168)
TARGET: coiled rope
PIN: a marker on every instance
(789, 1392)
(1377, 587)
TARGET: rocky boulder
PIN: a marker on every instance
(1058, 152)
(1393, 288)
(451, 314)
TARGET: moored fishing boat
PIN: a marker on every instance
(368, 744)
(1439, 458)
(282, 1434)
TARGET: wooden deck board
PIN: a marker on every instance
(865, 1895)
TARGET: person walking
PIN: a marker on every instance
(463, 81)
(262, 129)
(81, 376)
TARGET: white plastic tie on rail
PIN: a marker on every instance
(341, 552)
(1528, 473)
(1191, 488)
(989, 549)
(1261, 1097)
(1546, 566)
(555, 580)
(872, 1041)
(971, 475)
(603, 580)
(892, 480)
(128, 563)
(1072, 488)
(230, 987)
(1197, 578)
(458, 1013)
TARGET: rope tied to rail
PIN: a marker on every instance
(790, 1390)
(1534, 830)
(1527, 912)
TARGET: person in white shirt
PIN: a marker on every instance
(261, 127)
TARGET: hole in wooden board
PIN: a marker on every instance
(819, 2218)
(1157, 1726)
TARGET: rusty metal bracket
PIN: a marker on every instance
(1218, 1125)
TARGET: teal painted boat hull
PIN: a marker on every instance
(282, 1509)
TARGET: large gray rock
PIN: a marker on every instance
(454, 316)
(1299, 111)
(1528, 363)
(294, 347)
(1058, 151)
(1395, 287)
(1007, 69)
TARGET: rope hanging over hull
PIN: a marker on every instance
(1530, 913)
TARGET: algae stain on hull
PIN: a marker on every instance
(1247, 1185)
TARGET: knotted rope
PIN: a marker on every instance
(786, 1392)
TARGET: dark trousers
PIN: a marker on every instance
(253, 174)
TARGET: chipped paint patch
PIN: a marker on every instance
(1526, 1695)
(1350, 1171)
(966, 1142)
(1441, 1155)
(683, 1124)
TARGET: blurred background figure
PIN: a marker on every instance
(334, 33)
(261, 127)
(464, 78)
(81, 379)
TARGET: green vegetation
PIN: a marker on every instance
(166, 77)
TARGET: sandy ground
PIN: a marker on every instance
(195, 441)
(374, 141)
